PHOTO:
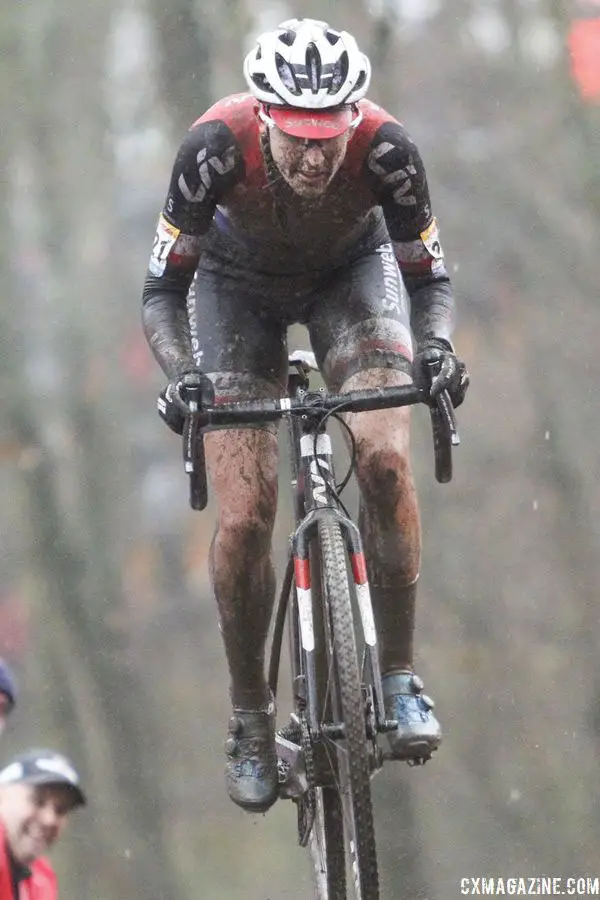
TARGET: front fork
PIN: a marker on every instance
(317, 489)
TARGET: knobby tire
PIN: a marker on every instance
(326, 842)
(326, 846)
(348, 806)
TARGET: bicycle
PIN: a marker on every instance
(329, 750)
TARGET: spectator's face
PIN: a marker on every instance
(307, 166)
(34, 817)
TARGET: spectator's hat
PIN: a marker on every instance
(43, 767)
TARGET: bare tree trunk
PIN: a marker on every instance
(89, 696)
(185, 43)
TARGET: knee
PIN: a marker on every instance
(248, 532)
(384, 472)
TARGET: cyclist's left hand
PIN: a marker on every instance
(437, 367)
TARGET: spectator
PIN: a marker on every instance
(38, 791)
(8, 693)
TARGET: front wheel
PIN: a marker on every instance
(349, 752)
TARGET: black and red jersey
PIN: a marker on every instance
(228, 204)
(220, 200)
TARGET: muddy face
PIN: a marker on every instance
(308, 166)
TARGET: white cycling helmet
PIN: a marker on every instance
(307, 65)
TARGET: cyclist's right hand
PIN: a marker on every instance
(172, 401)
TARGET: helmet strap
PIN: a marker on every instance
(263, 115)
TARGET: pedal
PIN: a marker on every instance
(417, 759)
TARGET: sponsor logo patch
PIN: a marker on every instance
(398, 179)
(208, 167)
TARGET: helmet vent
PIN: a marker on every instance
(360, 80)
(288, 38)
(287, 76)
(261, 83)
(339, 75)
(313, 67)
(332, 36)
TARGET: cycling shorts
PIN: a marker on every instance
(357, 317)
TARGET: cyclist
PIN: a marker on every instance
(301, 201)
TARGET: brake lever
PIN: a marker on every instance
(445, 407)
(199, 393)
(443, 403)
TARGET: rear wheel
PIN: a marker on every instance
(346, 807)
(326, 845)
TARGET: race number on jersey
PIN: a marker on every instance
(165, 237)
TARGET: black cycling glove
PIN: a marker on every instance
(171, 405)
(436, 367)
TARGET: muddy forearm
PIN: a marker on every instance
(432, 311)
(167, 330)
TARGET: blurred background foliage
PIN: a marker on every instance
(105, 609)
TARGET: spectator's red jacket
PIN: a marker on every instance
(40, 885)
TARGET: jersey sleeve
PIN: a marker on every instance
(397, 177)
(208, 164)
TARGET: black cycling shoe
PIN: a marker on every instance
(251, 770)
(418, 733)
